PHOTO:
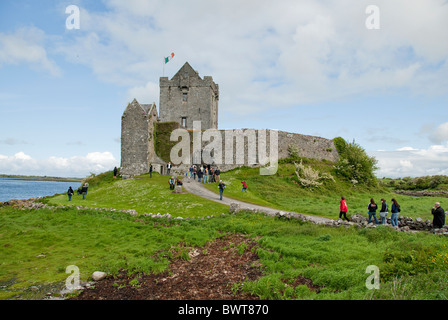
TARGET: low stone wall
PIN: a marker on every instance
(405, 224)
(423, 193)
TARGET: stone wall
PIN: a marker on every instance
(134, 140)
(241, 147)
(137, 138)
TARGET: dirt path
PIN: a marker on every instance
(197, 188)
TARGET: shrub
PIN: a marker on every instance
(354, 164)
(308, 177)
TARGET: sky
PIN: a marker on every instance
(374, 75)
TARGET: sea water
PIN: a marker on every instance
(25, 189)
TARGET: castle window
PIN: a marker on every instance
(184, 96)
(184, 122)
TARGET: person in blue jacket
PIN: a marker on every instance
(395, 212)
(372, 210)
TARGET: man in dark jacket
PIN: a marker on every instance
(384, 211)
(221, 187)
(439, 216)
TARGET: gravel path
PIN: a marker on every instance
(197, 188)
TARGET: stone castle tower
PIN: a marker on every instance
(183, 99)
(137, 145)
(187, 98)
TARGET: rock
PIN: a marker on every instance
(281, 214)
(234, 207)
(178, 189)
(98, 275)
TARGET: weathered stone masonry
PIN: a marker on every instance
(187, 98)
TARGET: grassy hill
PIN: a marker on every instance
(38, 245)
(284, 192)
(142, 194)
(281, 191)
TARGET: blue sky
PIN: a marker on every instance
(310, 67)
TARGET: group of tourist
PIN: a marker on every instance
(205, 174)
(174, 182)
(81, 190)
(437, 212)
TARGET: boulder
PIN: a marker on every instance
(178, 189)
(98, 275)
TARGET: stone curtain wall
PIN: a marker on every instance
(245, 144)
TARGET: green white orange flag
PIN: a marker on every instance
(171, 56)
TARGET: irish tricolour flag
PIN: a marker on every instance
(171, 56)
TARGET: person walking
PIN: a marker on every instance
(70, 192)
(213, 174)
(195, 172)
(191, 171)
(218, 174)
(205, 175)
(200, 175)
(395, 212)
(115, 172)
(343, 209)
(439, 216)
(221, 187)
(244, 186)
(384, 211)
(372, 210)
(150, 170)
(168, 167)
(84, 190)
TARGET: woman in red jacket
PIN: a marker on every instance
(343, 209)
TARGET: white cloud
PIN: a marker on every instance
(12, 141)
(78, 166)
(26, 45)
(440, 134)
(412, 162)
(315, 52)
(145, 94)
(407, 149)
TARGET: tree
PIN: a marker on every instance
(354, 163)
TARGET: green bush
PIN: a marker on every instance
(354, 164)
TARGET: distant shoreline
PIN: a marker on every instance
(39, 178)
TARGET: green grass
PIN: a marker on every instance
(281, 191)
(143, 194)
(85, 238)
(411, 265)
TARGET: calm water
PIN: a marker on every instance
(22, 189)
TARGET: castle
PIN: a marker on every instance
(185, 100)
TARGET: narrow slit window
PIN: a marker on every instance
(184, 122)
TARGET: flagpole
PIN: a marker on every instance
(163, 74)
